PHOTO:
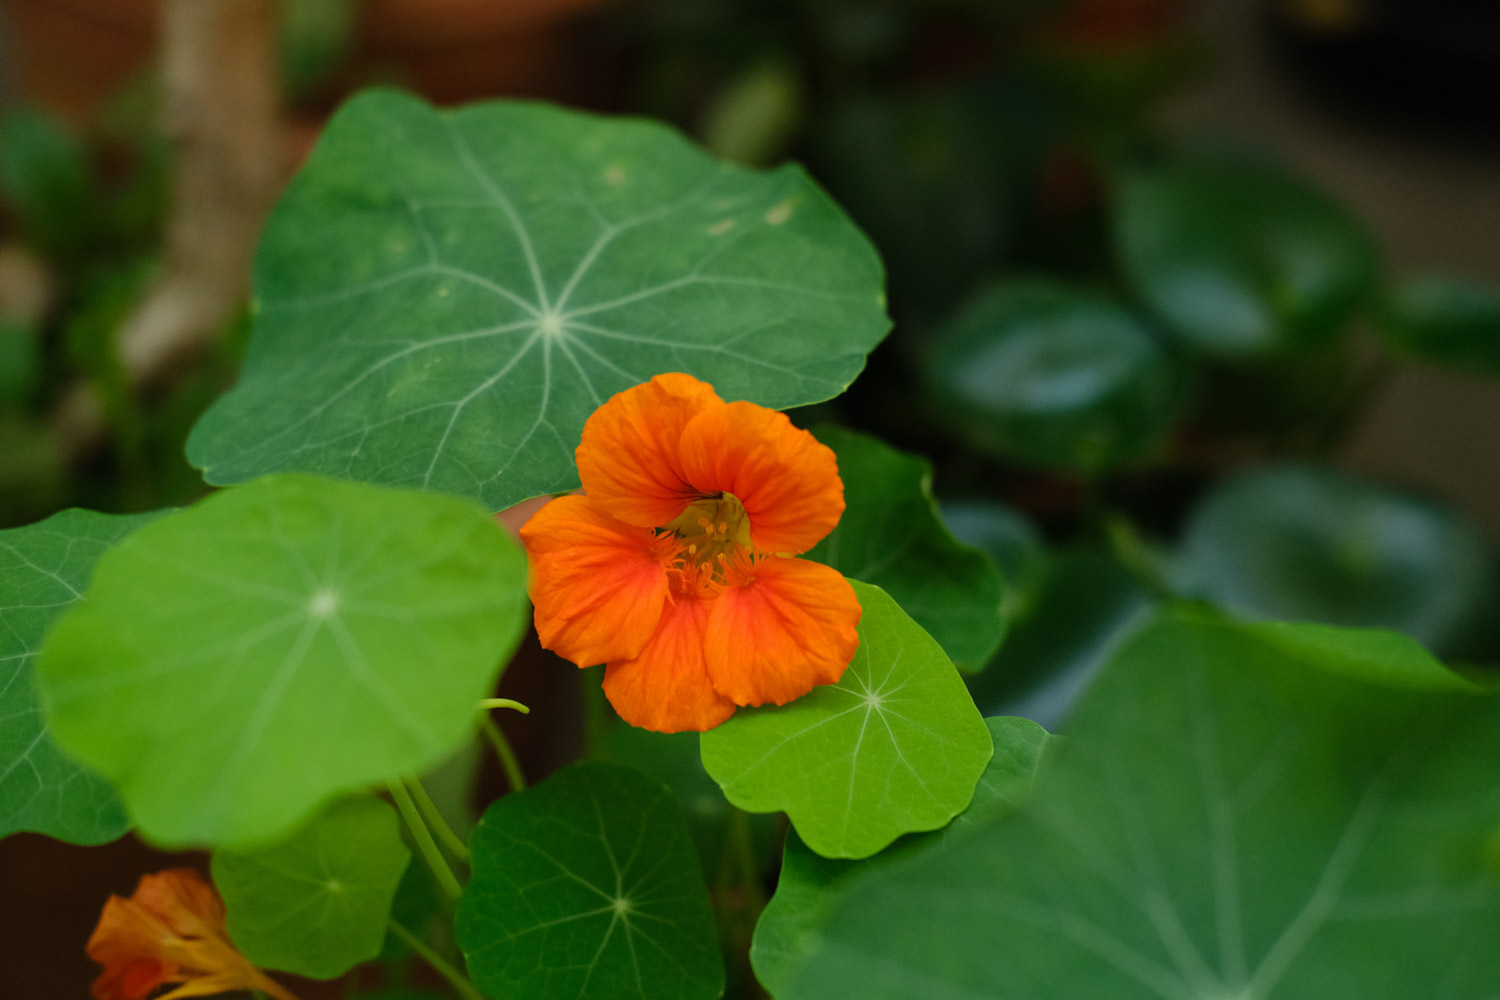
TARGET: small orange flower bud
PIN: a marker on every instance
(171, 930)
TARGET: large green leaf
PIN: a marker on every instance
(588, 886)
(1304, 543)
(239, 663)
(891, 536)
(1221, 823)
(1240, 259)
(895, 747)
(786, 935)
(1446, 321)
(1053, 376)
(443, 298)
(318, 903)
(44, 569)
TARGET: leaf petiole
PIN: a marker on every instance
(425, 844)
(435, 821)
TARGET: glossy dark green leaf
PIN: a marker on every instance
(809, 884)
(1221, 822)
(44, 569)
(895, 747)
(1301, 543)
(1240, 259)
(318, 903)
(1446, 321)
(443, 297)
(1053, 376)
(891, 536)
(588, 886)
(239, 663)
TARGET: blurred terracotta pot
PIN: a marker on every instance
(453, 50)
(70, 55)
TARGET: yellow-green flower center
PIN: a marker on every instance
(712, 527)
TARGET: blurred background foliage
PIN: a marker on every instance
(1132, 351)
(1150, 354)
(1104, 324)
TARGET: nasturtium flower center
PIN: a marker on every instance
(712, 532)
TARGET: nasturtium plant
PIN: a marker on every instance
(894, 747)
(1240, 259)
(1302, 543)
(1274, 777)
(44, 570)
(1053, 376)
(1444, 321)
(589, 886)
(1221, 822)
(891, 536)
(238, 663)
(443, 297)
(786, 935)
(317, 903)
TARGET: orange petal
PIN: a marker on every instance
(667, 687)
(787, 481)
(785, 627)
(132, 979)
(598, 584)
(628, 460)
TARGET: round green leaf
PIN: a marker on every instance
(43, 571)
(1240, 259)
(1446, 321)
(239, 663)
(895, 747)
(588, 886)
(443, 298)
(1221, 823)
(318, 903)
(1303, 543)
(809, 884)
(1053, 376)
(890, 535)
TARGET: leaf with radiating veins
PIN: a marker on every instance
(588, 886)
(1222, 822)
(239, 663)
(44, 569)
(443, 297)
(895, 747)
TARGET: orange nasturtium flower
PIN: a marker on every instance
(171, 930)
(676, 567)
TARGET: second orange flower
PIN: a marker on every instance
(677, 567)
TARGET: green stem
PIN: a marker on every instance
(744, 852)
(456, 979)
(507, 756)
(504, 703)
(452, 841)
(596, 711)
(425, 843)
